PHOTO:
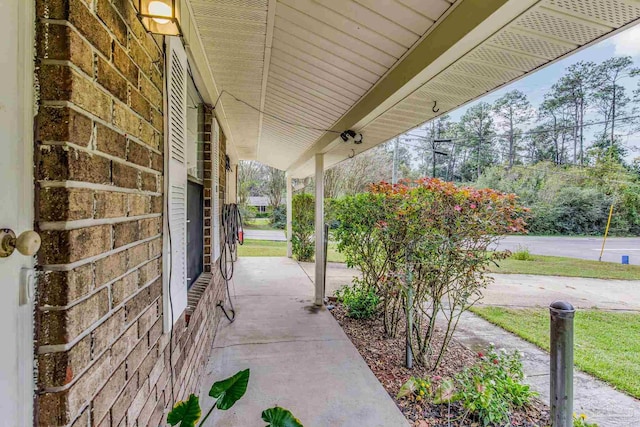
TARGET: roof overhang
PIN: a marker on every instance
(307, 70)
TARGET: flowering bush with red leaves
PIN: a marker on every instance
(431, 239)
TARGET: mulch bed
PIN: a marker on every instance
(386, 359)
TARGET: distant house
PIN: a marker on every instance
(259, 202)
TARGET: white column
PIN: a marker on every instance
(289, 216)
(319, 298)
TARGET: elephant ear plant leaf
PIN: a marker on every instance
(226, 392)
(186, 412)
(280, 417)
(229, 391)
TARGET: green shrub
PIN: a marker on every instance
(279, 217)
(492, 387)
(263, 215)
(522, 254)
(303, 226)
(360, 300)
(247, 212)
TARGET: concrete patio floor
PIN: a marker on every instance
(299, 357)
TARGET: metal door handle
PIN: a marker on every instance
(27, 243)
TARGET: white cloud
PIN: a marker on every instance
(627, 42)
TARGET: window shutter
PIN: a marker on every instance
(215, 164)
(176, 176)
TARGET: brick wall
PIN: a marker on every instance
(102, 358)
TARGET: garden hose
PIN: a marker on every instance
(232, 234)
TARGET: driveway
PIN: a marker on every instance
(524, 290)
(577, 247)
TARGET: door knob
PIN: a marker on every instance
(27, 243)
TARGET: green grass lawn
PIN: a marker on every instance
(606, 343)
(258, 224)
(559, 266)
(268, 248)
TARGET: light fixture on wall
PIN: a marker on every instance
(357, 137)
(160, 16)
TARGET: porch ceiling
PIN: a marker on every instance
(376, 66)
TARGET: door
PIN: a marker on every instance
(16, 212)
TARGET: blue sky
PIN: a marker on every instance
(536, 84)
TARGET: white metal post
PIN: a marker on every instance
(289, 216)
(319, 299)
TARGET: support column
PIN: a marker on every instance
(319, 224)
(289, 216)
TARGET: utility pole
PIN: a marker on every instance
(394, 176)
(478, 158)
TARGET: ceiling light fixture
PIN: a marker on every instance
(160, 17)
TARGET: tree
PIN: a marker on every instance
(248, 179)
(610, 96)
(514, 109)
(574, 89)
(430, 148)
(478, 130)
(274, 186)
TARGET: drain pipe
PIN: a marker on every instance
(561, 332)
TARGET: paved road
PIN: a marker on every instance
(577, 247)
(274, 235)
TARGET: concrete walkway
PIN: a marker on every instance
(602, 404)
(299, 357)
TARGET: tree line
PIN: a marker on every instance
(579, 129)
